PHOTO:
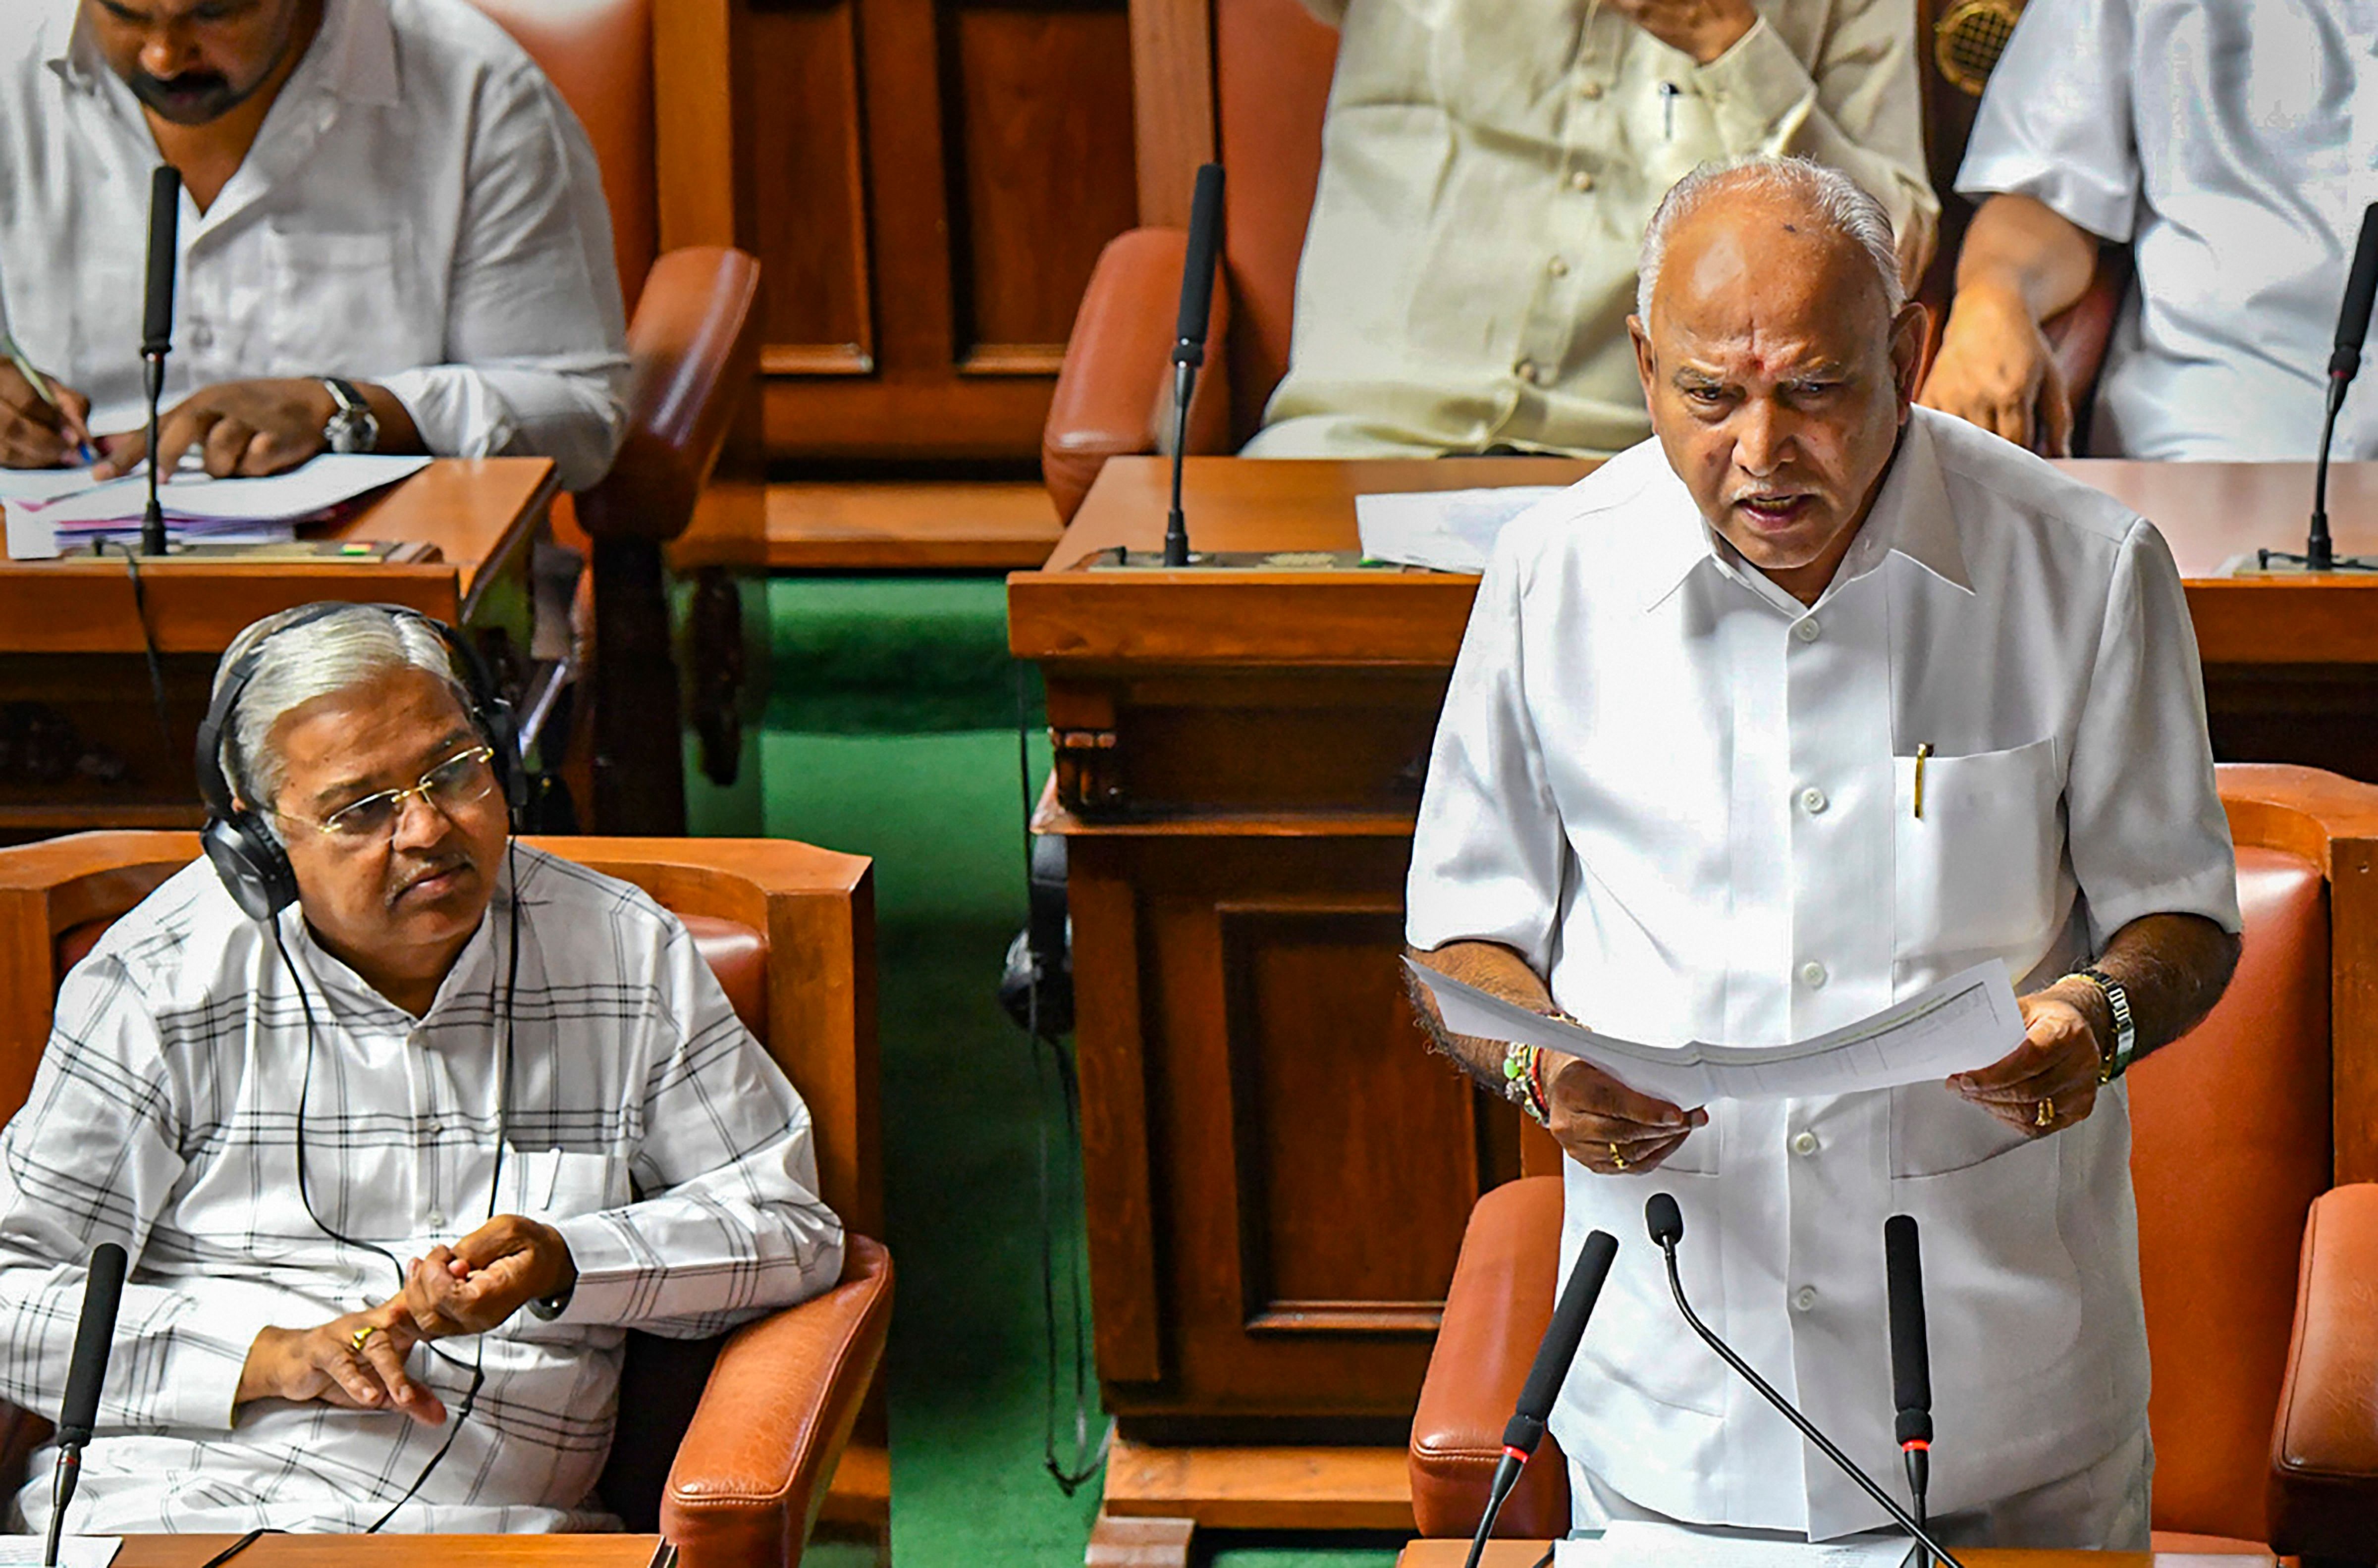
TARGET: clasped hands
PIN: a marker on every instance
(2044, 1085)
(357, 1360)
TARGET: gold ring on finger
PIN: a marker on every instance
(2044, 1115)
(1618, 1160)
(355, 1340)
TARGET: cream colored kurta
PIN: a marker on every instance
(1488, 167)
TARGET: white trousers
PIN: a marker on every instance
(2101, 1508)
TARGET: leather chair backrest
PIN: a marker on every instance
(1272, 64)
(2232, 1143)
(599, 53)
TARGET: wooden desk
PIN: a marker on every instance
(1523, 1554)
(400, 1551)
(1278, 1174)
(72, 650)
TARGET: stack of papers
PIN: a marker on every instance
(1675, 1546)
(54, 510)
(1446, 530)
(1966, 1022)
(74, 1551)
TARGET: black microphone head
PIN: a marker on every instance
(1205, 244)
(164, 229)
(1910, 1355)
(94, 1334)
(1526, 1427)
(2361, 288)
(1664, 1220)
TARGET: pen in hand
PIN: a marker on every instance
(48, 394)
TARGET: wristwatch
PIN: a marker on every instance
(354, 428)
(2112, 1064)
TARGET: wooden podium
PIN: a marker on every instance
(1278, 1172)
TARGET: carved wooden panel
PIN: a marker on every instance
(811, 206)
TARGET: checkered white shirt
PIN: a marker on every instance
(643, 1122)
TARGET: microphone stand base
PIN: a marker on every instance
(2286, 563)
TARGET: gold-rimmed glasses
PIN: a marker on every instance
(465, 777)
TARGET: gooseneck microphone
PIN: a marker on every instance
(1667, 1225)
(157, 327)
(1525, 1430)
(1189, 338)
(2344, 364)
(79, 1413)
(1910, 1355)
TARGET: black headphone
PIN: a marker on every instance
(251, 861)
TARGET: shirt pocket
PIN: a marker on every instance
(551, 1184)
(1977, 872)
(334, 306)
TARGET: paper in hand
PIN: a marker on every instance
(1965, 1021)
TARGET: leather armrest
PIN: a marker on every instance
(2322, 1500)
(754, 1465)
(2077, 335)
(695, 348)
(1115, 389)
(1495, 1313)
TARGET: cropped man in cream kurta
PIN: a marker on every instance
(1487, 169)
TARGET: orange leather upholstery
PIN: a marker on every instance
(739, 956)
(599, 54)
(2231, 1145)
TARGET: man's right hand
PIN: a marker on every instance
(1607, 1127)
(325, 1364)
(1995, 370)
(33, 434)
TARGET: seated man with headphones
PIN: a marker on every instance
(401, 1122)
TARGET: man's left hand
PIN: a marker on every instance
(241, 427)
(2048, 1082)
(486, 1276)
(1702, 28)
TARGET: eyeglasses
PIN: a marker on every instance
(465, 777)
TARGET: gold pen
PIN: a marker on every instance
(1923, 750)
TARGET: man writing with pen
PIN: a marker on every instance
(392, 237)
(1675, 794)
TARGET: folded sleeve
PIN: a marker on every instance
(731, 1224)
(537, 358)
(2055, 123)
(2145, 824)
(1487, 852)
(1857, 107)
(94, 1155)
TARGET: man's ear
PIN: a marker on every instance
(1911, 335)
(1647, 365)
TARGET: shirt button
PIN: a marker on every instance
(436, 1218)
(1804, 1144)
(1812, 975)
(1813, 801)
(433, 1129)
(1805, 1298)
(1581, 181)
(1526, 370)
(1808, 630)
(1557, 267)
(1590, 91)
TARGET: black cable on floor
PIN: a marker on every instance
(148, 639)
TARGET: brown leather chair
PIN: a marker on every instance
(1271, 69)
(693, 334)
(2262, 1324)
(724, 1445)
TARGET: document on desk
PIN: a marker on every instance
(1629, 1545)
(1965, 1021)
(74, 1551)
(1444, 530)
(48, 516)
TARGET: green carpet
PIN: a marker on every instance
(890, 734)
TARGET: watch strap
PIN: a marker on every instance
(354, 428)
(2114, 1061)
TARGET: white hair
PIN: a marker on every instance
(298, 663)
(1837, 202)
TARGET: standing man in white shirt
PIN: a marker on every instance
(2230, 145)
(1486, 169)
(393, 236)
(1802, 706)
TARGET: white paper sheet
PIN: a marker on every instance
(74, 1551)
(1627, 1545)
(1446, 530)
(42, 484)
(50, 510)
(1965, 1021)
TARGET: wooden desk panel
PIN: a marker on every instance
(398, 1551)
(1524, 1554)
(73, 671)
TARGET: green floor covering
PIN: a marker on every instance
(863, 758)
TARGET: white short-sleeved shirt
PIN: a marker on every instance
(2232, 143)
(1687, 800)
(419, 210)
